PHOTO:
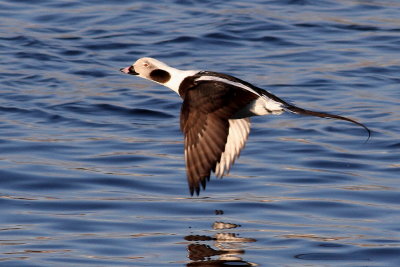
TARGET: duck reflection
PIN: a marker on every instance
(227, 246)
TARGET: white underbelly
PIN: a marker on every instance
(258, 107)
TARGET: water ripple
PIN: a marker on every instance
(91, 160)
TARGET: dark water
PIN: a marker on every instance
(91, 162)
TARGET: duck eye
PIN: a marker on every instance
(146, 65)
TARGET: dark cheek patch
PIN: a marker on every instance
(160, 76)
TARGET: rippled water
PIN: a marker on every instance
(91, 162)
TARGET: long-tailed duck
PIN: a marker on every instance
(215, 115)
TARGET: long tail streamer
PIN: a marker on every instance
(301, 111)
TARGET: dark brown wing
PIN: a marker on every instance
(206, 110)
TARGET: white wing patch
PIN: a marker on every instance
(239, 130)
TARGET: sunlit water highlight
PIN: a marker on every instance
(91, 161)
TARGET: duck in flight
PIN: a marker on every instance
(215, 115)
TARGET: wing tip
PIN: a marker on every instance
(193, 190)
(195, 185)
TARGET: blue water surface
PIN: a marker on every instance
(91, 160)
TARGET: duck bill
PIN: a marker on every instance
(129, 70)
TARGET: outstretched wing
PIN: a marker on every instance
(212, 139)
(238, 132)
